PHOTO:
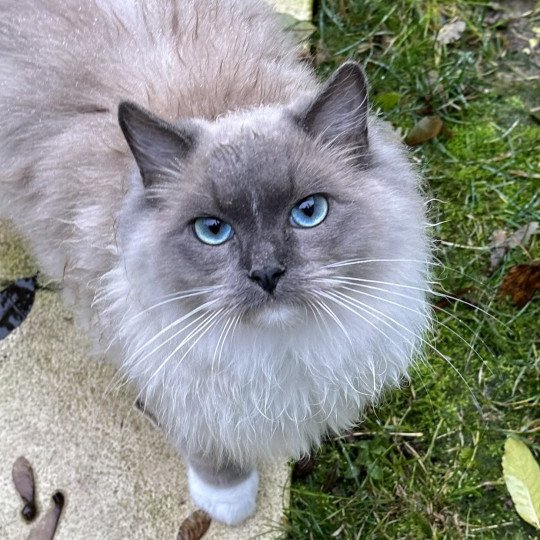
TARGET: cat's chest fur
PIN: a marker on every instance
(266, 388)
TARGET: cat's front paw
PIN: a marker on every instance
(227, 504)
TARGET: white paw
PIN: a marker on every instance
(228, 504)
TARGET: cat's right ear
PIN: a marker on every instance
(156, 145)
(339, 113)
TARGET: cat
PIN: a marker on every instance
(247, 245)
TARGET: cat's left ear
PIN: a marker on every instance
(338, 114)
(156, 145)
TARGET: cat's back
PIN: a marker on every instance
(179, 58)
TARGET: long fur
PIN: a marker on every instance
(248, 389)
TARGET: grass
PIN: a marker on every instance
(426, 463)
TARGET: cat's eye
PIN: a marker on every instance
(309, 212)
(211, 230)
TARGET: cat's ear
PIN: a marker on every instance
(155, 144)
(338, 114)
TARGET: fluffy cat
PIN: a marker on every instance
(246, 245)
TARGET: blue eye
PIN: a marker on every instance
(309, 212)
(212, 230)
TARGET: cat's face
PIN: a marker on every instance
(257, 207)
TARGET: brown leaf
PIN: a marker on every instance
(23, 478)
(500, 243)
(521, 283)
(194, 526)
(46, 528)
(424, 130)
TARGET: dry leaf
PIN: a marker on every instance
(427, 128)
(23, 478)
(16, 301)
(46, 528)
(194, 526)
(521, 283)
(451, 32)
(522, 236)
(500, 243)
(522, 476)
(498, 248)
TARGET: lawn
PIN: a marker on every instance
(426, 461)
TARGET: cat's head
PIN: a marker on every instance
(258, 211)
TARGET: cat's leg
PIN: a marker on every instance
(227, 493)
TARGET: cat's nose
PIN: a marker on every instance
(267, 277)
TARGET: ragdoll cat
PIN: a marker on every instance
(247, 245)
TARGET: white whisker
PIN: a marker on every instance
(204, 327)
(351, 262)
(334, 317)
(178, 321)
(408, 308)
(421, 289)
(420, 338)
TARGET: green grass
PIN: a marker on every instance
(426, 463)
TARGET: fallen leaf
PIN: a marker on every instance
(451, 32)
(424, 130)
(522, 236)
(522, 476)
(521, 283)
(16, 301)
(500, 242)
(23, 478)
(498, 248)
(46, 528)
(194, 526)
